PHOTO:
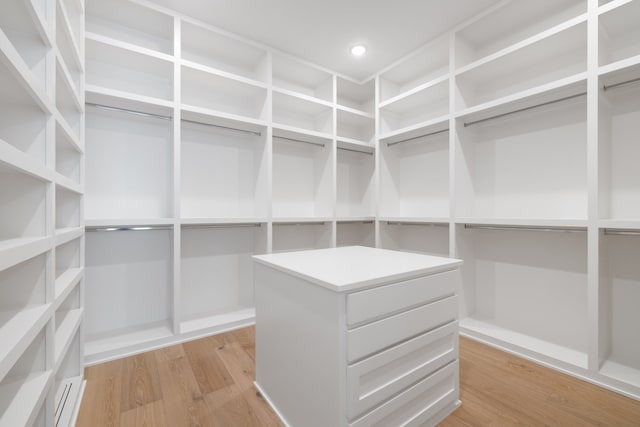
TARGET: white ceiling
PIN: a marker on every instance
(323, 31)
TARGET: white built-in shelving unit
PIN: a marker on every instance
(204, 149)
(41, 221)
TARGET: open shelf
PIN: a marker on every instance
(618, 313)
(429, 63)
(68, 270)
(23, 204)
(356, 126)
(410, 235)
(302, 179)
(298, 236)
(129, 163)
(215, 92)
(414, 177)
(223, 173)
(355, 233)
(66, 281)
(125, 270)
(131, 23)
(12, 158)
(511, 279)
(217, 274)
(426, 104)
(560, 55)
(68, 105)
(619, 33)
(67, 44)
(302, 113)
(527, 165)
(23, 310)
(67, 322)
(358, 96)
(297, 76)
(24, 389)
(355, 184)
(20, 24)
(619, 124)
(113, 67)
(513, 24)
(216, 50)
(22, 116)
(68, 381)
(68, 157)
(68, 206)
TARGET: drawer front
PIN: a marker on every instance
(374, 380)
(374, 303)
(417, 405)
(376, 336)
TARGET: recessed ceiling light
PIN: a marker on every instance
(358, 50)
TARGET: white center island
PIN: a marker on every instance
(357, 336)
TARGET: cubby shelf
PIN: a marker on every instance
(65, 331)
(66, 234)
(120, 99)
(17, 250)
(130, 47)
(296, 76)
(66, 41)
(14, 158)
(618, 32)
(22, 396)
(66, 283)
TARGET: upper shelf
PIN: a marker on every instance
(429, 63)
(619, 32)
(131, 23)
(358, 96)
(216, 50)
(511, 23)
(298, 76)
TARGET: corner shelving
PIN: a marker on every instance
(353, 125)
(223, 173)
(302, 113)
(296, 235)
(356, 96)
(355, 233)
(355, 184)
(421, 235)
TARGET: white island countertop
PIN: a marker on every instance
(355, 267)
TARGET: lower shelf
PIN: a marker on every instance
(21, 398)
(100, 346)
(498, 335)
(227, 317)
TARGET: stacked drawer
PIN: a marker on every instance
(402, 352)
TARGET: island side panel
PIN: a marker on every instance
(299, 353)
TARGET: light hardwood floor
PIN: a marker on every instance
(209, 382)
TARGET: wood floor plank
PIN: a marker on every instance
(140, 381)
(207, 366)
(149, 415)
(209, 382)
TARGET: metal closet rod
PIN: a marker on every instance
(625, 83)
(135, 228)
(426, 224)
(619, 232)
(300, 223)
(389, 144)
(319, 144)
(520, 110)
(523, 228)
(229, 225)
(160, 116)
(355, 151)
(347, 221)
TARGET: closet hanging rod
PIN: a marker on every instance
(617, 85)
(300, 223)
(347, 221)
(520, 110)
(126, 110)
(618, 232)
(389, 144)
(222, 127)
(91, 229)
(299, 140)
(524, 228)
(426, 224)
(229, 225)
(355, 151)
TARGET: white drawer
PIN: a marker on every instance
(374, 303)
(379, 335)
(373, 380)
(417, 405)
